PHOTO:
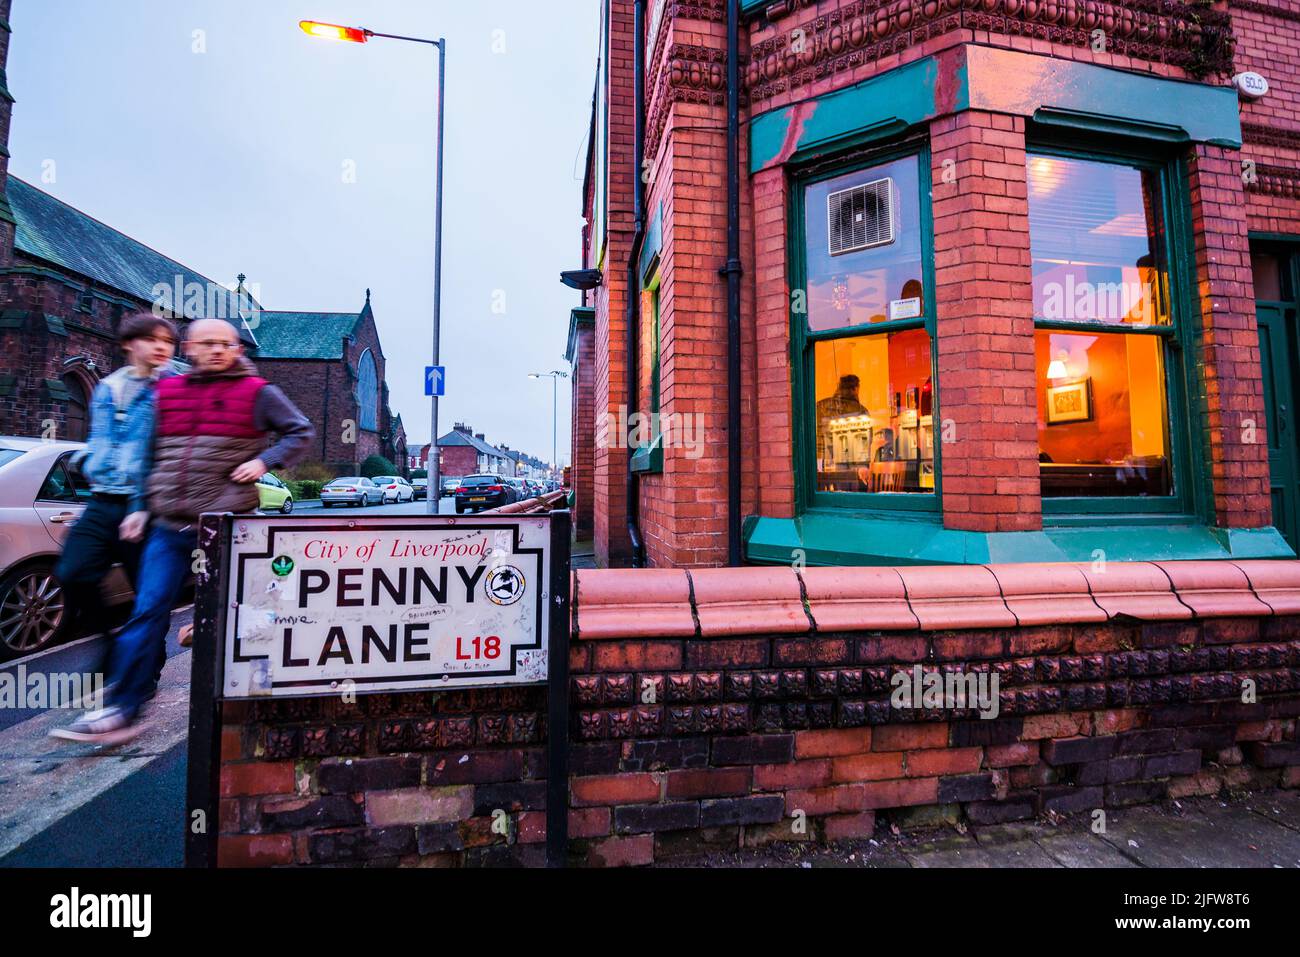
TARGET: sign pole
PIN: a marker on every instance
(557, 724)
(202, 791)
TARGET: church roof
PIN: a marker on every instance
(304, 335)
(50, 229)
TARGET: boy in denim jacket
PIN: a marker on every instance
(116, 463)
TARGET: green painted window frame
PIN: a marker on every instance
(802, 340)
(650, 458)
(1185, 453)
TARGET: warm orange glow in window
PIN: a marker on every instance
(875, 413)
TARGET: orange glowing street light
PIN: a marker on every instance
(332, 31)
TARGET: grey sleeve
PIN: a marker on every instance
(273, 412)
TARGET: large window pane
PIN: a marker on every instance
(863, 247)
(1096, 232)
(875, 413)
(1102, 417)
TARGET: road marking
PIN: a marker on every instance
(44, 779)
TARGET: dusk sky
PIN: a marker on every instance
(235, 159)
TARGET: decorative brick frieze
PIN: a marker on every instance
(1195, 38)
(1281, 181)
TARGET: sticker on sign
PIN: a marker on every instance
(385, 604)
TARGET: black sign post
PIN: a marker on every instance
(557, 676)
(212, 603)
(203, 782)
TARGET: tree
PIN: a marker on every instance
(377, 465)
(419, 473)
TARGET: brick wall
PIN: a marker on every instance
(1228, 342)
(32, 352)
(611, 543)
(715, 710)
(584, 433)
(1268, 42)
(984, 324)
(458, 460)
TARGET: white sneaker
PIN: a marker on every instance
(109, 726)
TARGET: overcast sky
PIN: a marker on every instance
(230, 149)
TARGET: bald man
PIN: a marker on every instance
(210, 448)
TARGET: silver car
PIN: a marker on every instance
(41, 495)
(351, 490)
(394, 488)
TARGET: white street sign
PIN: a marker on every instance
(324, 606)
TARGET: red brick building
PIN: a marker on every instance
(1004, 273)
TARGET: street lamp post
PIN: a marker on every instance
(332, 31)
(555, 375)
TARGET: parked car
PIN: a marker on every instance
(521, 489)
(449, 486)
(351, 490)
(477, 492)
(42, 493)
(273, 495)
(394, 488)
(420, 488)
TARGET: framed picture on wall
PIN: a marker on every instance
(1070, 403)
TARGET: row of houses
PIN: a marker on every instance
(462, 451)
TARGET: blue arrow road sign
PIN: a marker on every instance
(433, 378)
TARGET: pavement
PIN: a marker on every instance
(1255, 830)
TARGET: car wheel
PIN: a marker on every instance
(32, 610)
(460, 510)
(287, 507)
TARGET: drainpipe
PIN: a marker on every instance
(732, 271)
(633, 273)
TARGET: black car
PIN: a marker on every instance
(477, 492)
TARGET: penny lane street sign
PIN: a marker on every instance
(318, 606)
(383, 605)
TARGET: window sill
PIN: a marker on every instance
(837, 537)
(649, 458)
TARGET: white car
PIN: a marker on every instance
(41, 496)
(395, 488)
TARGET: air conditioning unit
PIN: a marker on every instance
(860, 217)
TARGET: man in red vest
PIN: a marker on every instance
(210, 448)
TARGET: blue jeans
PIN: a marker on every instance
(138, 646)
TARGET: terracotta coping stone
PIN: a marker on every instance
(1046, 594)
(1137, 589)
(1214, 589)
(1277, 583)
(944, 597)
(851, 599)
(625, 603)
(748, 600)
(656, 602)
